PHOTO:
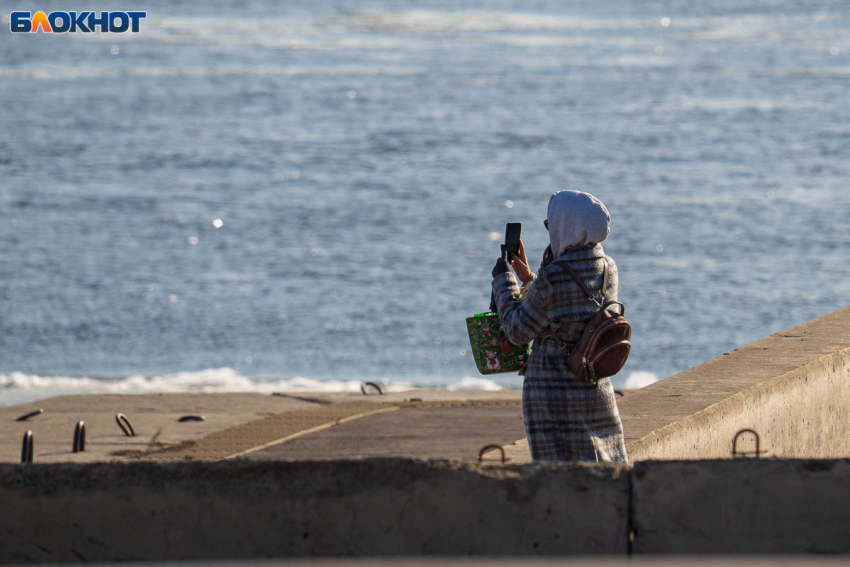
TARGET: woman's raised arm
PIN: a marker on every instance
(524, 320)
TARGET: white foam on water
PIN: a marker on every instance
(84, 72)
(414, 30)
(323, 32)
(562, 40)
(426, 21)
(635, 380)
(475, 383)
(399, 30)
(19, 387)
(210, 380)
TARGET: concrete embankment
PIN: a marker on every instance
(55, 513)
(389, 507)
(441, 424)
(751, 506)
(793, 388)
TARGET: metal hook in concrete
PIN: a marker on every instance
(372, 384)
(755, 453)
(191, 418)
(80, 437)
(28, 448)
(122, 422)
(30, 414)
(487, 448)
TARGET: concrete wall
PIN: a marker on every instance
(107, 512)
(793, 388)
(385, 507)
(741, 506)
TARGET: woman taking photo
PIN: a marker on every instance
(565, 419)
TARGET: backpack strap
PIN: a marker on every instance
(604, 280)
(561, 344)
(580, 281)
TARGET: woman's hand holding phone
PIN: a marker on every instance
(519, 262)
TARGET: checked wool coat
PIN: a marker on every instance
(565, 419)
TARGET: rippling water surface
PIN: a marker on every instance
(358, 156)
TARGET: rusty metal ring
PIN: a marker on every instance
(364, 384)
(735, 452)
(122, 420)
(28, 448)
(485, 448)
(30, 414)
(80, 437)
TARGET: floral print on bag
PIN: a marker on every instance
(492, 350)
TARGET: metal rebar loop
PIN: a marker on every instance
(26, 417)
(28, 448)
(80, 437)
(191, 418)
(755, 453)
(125, 425)
(487, 448)
(373, 385)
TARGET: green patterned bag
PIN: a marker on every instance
(492, 350)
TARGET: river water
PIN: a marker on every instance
(258, 196)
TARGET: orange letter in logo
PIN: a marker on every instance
(40, 19)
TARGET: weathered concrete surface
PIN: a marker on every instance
(233, 423)
(742, 506)
(154, 418)
(791, 387)
(253, 435)
(417, 432)
(398, 507)
(145, 511)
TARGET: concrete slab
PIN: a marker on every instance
(242, 439)
(418, 432)
(741, 506)
(791, 387)
(373, 507)
(154, 418)
(233, 422)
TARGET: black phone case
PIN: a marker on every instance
(512, 247)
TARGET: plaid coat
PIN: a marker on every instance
(565, 419)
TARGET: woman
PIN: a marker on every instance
(565, 419)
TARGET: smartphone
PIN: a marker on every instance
(512, 232)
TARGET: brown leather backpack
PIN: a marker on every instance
(605, 345)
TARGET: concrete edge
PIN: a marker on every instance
(734, 403)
